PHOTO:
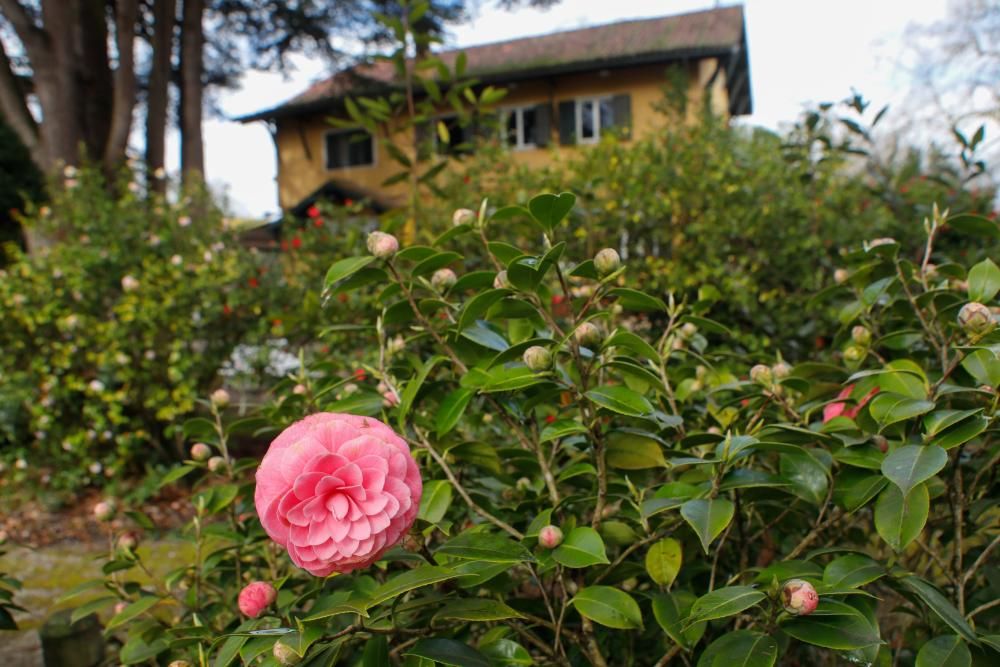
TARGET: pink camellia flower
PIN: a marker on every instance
(840, 408)
(550, 537)
(256, 597)
(337, 491)
(799, 597)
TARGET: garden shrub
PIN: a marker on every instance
(599, 487)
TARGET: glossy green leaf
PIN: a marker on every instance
(506, 653)
(582, 547)
(435, 500)
(143, 604)
(889, 409)
(609, 607)
(621, 400)
(485, 547)
(984, 366)
(940, 605)
(344, 268)
(911, 465)
(851, 571)
(741, 648)
(451, 410)
(425, 575)
(724, 602)
(946, 651)
(448, 652)
(708, 518)
(663, 561)
(549, 210)
(633, 451)
(376, 653)
(898, 518)
(631, 299)
(833, 625)
(476, 609)
(984, 281)
(671, 611)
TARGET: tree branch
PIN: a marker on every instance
(123, 102)
(15, 109)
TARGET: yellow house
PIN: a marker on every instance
(563, 90)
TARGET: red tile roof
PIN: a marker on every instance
(686, 35)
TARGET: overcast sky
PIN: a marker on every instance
(800, 51)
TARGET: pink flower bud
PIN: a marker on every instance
(390, 399)
(781, 370)
(105, 510)
(463, 216)
(861, 335)
(588, 335)
(799, 597)
(200, 451)
(220, 398)
(976, 318)
(129, 284)
(299, 389)
(607, 262)
(256, 597)
(120, 607)
(550, 537)
(537, 358)
(128, 541)
(382, 245)
(216, 463)
(443, 279)
(840, 276)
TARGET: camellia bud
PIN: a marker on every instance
(501, 281)
(443, 279)
(588, 335)
(256, 597)
(854, 353)
(129, 284)
(550, 537)
(607, 262)
(840, 276)
(976, 318)
(299, 389)
(861, 335)
(216, 463)
(128, 541)
(762, 375)
(537, 358)
(463, 216)
(382, 245)
(798, 597)
(200, 451)
(105, 510)
(688, 330)
(285, 655)
(781, 370)
(220, 398)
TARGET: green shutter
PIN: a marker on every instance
(543, 125)
(622, 104)
(567, 123)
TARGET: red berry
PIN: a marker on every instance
(549, 419)
(253, 282)
(296, 242)
(360, 374)
(348, 202)
(312, 212)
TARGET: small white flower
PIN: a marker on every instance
(150, 355)
(133, 187)
(96, 386)
(67, 446)
(21, 464)
(154, 240)
(184, 221)
(69, 171)
(129, 283)
(176, 260)
(207, 256)
(95, 468)
(159, 173)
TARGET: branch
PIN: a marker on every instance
(31, 36)
(15, 110)
(123, 101)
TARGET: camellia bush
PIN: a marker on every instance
(513, 479)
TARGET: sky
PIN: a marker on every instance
(801, 51)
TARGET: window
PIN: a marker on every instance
(521, 127)
(349, 148)
(587, 119)
(593, 115)
(456, 137)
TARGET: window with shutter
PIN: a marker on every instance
(583, 121)
(523, 127)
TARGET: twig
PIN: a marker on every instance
(983, 607)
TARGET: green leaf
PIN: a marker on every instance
(376, 653)
(940, 420)
(940, 605)
(476, 609)
(723, 603)
(621, 400)
(898, 518)
(833, 625)
(413, 387)
(663, 561)
(806, 473)
(911, 465)
(137, 651)
(609, 607)
(962, 433)
(974, 225)
(984, 366)
(984, 281)
(506, 653)
(742, 648)
(481, 334)
(634, 344)
(888, 409)
(583, 547)
(448, 652)
(851, 571)
(708, 518)
(141, 605)
(345, 268)
(485, 547)
(451, 410)
(561, 429)
(946, 651)
(855, 489)
(671, 610)
(631, 299)
(549, 210)
(435, 501)
(633, 451)
(434, 262)
(90, 607)
(425, 575)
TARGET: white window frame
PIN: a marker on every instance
(520, 143)
(595, 101)
(348, 130)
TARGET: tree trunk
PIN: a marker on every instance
(164, 17)
(126, 13)
(192, 41)
(93, 83)
(15, 111)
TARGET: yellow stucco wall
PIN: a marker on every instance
(302, 163)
